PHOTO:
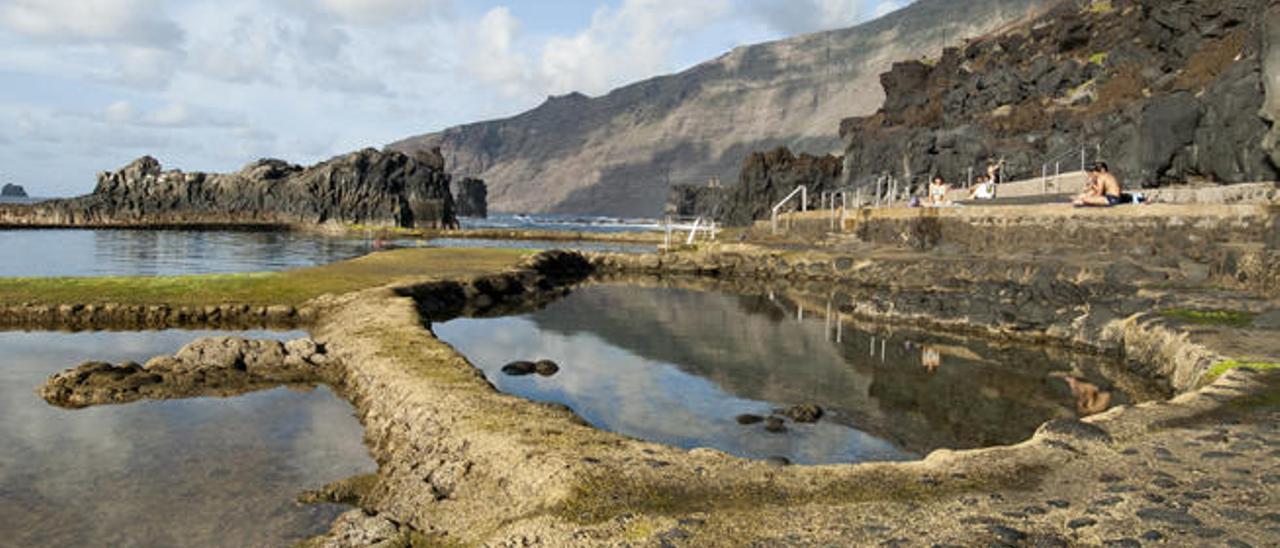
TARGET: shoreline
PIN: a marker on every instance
(429, 414)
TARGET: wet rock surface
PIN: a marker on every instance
(219, 366)
(366, 187)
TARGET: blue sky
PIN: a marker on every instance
(210, 85)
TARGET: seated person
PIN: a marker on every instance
(984, 190)
(1103, 189)
(938, 190)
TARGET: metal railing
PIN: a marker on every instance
(708, 227)
(1057, 161)
(802, 191)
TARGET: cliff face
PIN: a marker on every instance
(472, 198)
(1164, 90)
(13, 191)
(367, 187)
(619, 153)
(767, 177)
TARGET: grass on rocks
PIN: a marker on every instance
(291, 287)
(1224, 318)
(1221, 368)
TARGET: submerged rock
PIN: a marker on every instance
(745, 419)
(520, 368)
(803, 413)
(775, 425)
(546, 368)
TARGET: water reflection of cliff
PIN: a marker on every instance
(755, 348)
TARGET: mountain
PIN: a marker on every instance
(618, 154)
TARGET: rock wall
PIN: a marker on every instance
(368, 187)
(696, 201)
(618, 154)
(1169, 90)
(13, 191)
(768, 177)
(472, 198)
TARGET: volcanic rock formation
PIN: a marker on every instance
(1165, 91)
(472, 198)
(13, 191)
(618, 154)
(368, 187)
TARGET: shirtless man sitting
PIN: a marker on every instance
(1103, 188)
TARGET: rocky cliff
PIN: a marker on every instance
(13, 191)
(367, 187)
(1164, 90)
(472, 198)
(618, 154)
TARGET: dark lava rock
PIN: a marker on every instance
(775, 425)
(369, 187)
(767, 177)
(546, 368)
(745, 419)
(1058, 503)
(1074, 428)
(1172, 517)
(803, 413)
(472, 198)
(1153, 536)
(778, 461)
(1122, 543)
(13, 191)
(520, 368)
(1236, 543)
(1218, 455)
(1007, 534)
(1081, 522)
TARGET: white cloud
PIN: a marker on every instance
(791, 17)
(622, 44)
(140, 22)
(373, 12)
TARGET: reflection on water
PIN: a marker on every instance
(164, 252)
(205, 472)
(676, 366)
(597, 247)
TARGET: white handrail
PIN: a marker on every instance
(804, 204)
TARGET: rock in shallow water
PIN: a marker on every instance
(775, 425)
(546, 368)
(520, 368)
(803, 413)
(746, 419)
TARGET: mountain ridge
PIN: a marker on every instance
(618, 153)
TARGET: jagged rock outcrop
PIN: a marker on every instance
(618, 154)
(1166, 90)
(13, 191)
(700, 200)
(472, 198)
(768, 177)
(368, 187)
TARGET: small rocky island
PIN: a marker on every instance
(368, 187)
(13, 191)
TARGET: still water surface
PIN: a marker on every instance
(200, 472)
(677, 366)
(44, 253)
(164, 252)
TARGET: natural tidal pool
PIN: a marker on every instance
(198, 472)
(678, 366)
(31, 253)
(540, 245)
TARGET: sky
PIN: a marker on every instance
(211, 85)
